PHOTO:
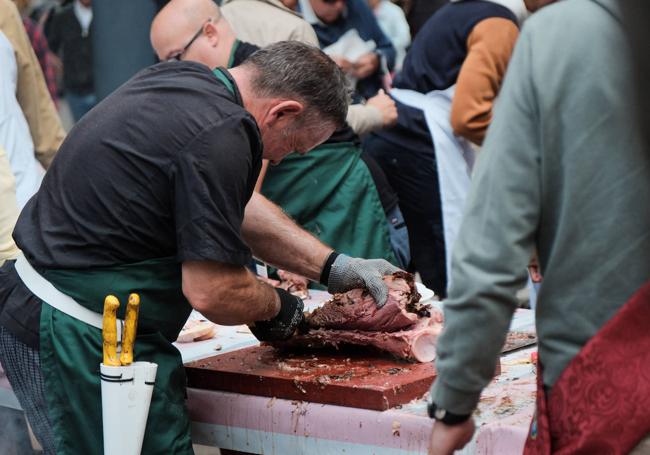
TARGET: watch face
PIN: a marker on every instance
(440, 414)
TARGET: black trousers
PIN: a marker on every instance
(413, 175)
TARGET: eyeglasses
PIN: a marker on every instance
(178, 55)
(331, 2)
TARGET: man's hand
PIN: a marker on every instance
(343, 63)
(386, 106)
(284, 325)
(351, 273)
(534, 269)
(445, 439)
(366, 65)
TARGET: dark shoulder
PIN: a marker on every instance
(160, 111)
(184, 83)
(358, 9)
(243, 51)
(458, 19)
(64, 13)
(473, 11)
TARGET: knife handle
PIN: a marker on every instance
(130, 326)
(109, 331)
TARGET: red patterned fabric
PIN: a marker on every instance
(601, 402)
(42, 51)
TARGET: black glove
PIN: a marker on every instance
(284, 325)
(348, 273)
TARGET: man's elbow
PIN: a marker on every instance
(214, 306)
(471, 128)
(201, 301)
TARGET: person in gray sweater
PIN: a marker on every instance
(563, 170)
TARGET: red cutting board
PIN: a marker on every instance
(351, 378)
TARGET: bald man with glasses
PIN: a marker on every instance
(211, 43)
(179, 55)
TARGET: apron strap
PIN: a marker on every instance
(46, 291)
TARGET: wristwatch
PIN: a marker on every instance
(444, 416)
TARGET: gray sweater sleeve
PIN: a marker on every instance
(494, 244)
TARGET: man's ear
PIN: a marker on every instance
(284, 112)
(212, 33)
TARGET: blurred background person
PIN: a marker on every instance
(331, 19)
(8, 210)
(419, 11)
(564, 170)
(14, 131)
(69, 35)
(31, 92)
(254, 22)
(393, 23)
(444, 93)
(41, 48)
(261, 22)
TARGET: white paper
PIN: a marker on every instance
(350, 46)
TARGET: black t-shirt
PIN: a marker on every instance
(162, 167)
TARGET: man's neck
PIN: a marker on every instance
(252, 103)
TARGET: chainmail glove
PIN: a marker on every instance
(350, 273)
(285, 324)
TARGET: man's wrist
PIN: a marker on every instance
(445, 416)
(327, 268)
(448, 397)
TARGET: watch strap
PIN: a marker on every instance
(444, 416)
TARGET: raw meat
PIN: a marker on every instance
(357, 310)
(402, 327)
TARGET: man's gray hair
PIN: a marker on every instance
(296, 70)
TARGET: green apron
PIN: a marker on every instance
(71, 352)
(330, 192)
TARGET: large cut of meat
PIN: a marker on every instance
(402, 327)
(357, 309)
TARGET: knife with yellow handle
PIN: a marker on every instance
(130, 326)
(109, 331)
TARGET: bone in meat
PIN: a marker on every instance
(416, 343)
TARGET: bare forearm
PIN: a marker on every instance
(276, 239)
(260, 178)
(228, 294)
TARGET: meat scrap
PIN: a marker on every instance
(197, 330)
(290, 282)
(295, 284)
(402, 327)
